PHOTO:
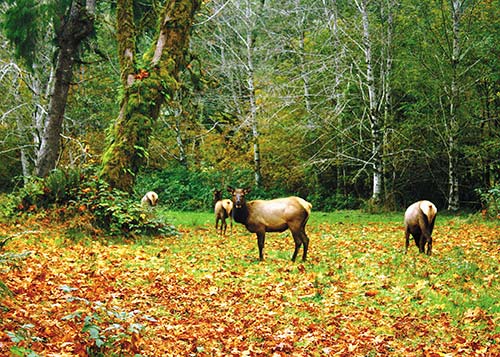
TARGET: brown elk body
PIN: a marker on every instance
(150, 199)
(278, 215)
(222, 210)
(419, 222)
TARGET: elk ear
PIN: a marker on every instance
(230, 189)
(247, 190)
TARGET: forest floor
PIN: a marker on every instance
(202, 294)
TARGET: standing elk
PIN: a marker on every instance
(150, 199)
(222, 209)
(278, 215)
(419, 222)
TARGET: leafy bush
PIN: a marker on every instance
(8, 207)
(108, 330)
(181, 189)
(24, 335)
(185, 190)
(82, 193)
(490, 200)
(331, 202)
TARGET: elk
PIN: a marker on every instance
(419, 222)
(278, 215)
(150, 199)
(222, 209)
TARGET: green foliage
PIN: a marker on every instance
(74, 192)
(18, 27)
(23, 335)
(10, 168)
(322, 135)
(105, 328)
(181, 189)
(322, 201)
(9, 260)
(57, 189)
(25, 23)
(490, 200)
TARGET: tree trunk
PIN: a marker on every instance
(146, 89)
(73, 31)
(253, 111)
(303, 62)
(386, 87)
(250, 48)
(453, 192)
(373, 112)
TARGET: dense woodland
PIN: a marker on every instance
(342, 102)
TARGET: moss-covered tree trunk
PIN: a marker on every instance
(145, 89)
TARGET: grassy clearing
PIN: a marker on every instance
(200, 294)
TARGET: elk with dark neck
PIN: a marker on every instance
(278, 215)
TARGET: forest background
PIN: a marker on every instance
(345, 103)
(349, 104)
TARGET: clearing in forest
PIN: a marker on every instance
(201, 294)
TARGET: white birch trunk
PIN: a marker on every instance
(453, 191)
(373, 111)
(253, 109)
(303, 62)
(250, 19)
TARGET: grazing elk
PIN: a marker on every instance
(222, 209)
(419, 222)
(260, 216)
(150, 199)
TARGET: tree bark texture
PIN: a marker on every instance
(373, 112)
(453, 184)
(78, 25)
(145, 89)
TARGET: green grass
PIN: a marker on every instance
(452, 281)
(358, 291)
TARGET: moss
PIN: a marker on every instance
(142, 100)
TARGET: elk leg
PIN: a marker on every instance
(305, 240)
(428, 239)
(296, 251)
(407, 236)
(421, 243)
(297, 238)
(260, 242)
(223, 227)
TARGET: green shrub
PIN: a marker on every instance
(106, 330)
(8, 207)
(76, 192)
(114, 211)
(181, 189)
(332, 202)
(490, 200)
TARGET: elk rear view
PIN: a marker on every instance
(419, 222)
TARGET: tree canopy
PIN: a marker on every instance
(338, 101)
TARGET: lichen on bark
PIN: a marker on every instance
(145, 89)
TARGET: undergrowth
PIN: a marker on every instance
(81, 194)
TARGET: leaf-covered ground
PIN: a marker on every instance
(201, 294)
